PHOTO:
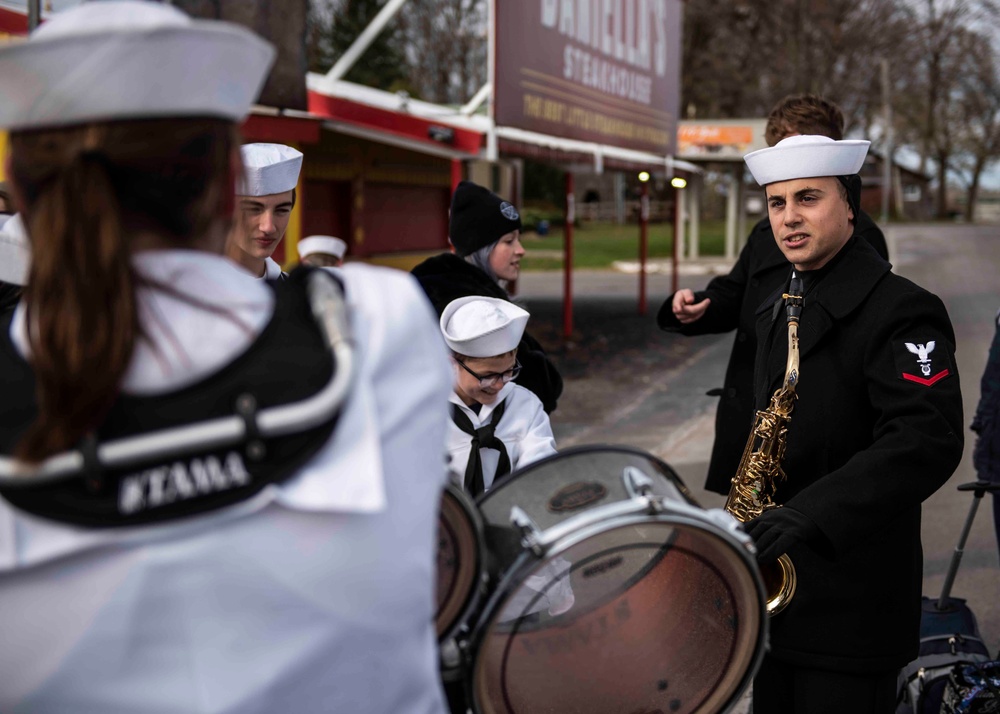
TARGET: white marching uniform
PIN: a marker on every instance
(524, 429)
(315, 595)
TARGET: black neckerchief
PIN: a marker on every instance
(482, 438)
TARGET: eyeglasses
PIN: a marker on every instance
(488, 380)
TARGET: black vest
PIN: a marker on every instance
(289, 361)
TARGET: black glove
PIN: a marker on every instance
(777, 530)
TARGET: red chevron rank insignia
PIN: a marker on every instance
(922, 361)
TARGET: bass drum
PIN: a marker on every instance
(616, 593)
(460, 561)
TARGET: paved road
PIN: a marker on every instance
(628, 383)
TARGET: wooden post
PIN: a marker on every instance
(675, 258)
(643, 244)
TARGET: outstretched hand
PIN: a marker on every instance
(777, 530)
(686, 310)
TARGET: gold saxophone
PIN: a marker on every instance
(753, 486)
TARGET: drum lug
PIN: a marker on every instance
(450, 653)
(639, 485)
(725, 520)
(530, 533)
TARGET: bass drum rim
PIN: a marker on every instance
(459, 515)
(526, 562)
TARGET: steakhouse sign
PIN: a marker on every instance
(606, 71)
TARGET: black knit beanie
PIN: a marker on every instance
(479, 218)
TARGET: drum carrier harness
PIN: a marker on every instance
(259, 418)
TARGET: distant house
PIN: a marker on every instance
(910, 197)
(987, 208)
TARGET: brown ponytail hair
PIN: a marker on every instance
(89, 191)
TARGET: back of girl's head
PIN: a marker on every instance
(120, 159)
(89, 191)
(162, 176)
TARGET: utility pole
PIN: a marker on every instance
(887, 148)
(34, 14)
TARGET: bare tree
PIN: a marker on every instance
(979, 118)
(742, 57)
(332, 27)
(446, 46)
(433, 49)
(945, 37)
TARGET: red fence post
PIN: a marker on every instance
(643, 244)
(568, 259)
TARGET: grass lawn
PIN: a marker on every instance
(598, 245)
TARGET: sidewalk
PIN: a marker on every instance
(627, 381)
(623, 278)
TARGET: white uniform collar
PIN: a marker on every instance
(272, 271)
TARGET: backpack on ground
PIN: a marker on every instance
(949, 636)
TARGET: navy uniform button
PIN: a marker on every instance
(730, 392)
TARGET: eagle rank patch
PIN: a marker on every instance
(922, 361)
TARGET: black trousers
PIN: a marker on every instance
(781, 688)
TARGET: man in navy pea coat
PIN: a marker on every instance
(876, 429)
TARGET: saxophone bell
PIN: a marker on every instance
(779, 583)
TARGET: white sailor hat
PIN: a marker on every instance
(269, 169)
(806, 156)
(322, 244)
(127, 59)
(477, 326)
(15, 252)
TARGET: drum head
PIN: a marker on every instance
(630, 613)
(459, 560)
(573, 481)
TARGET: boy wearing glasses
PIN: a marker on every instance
(497, 425)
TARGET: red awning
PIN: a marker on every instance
(13, 22)
(396, 127)
(263, 125)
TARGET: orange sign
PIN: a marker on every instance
(725, 140)
(701, 134)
